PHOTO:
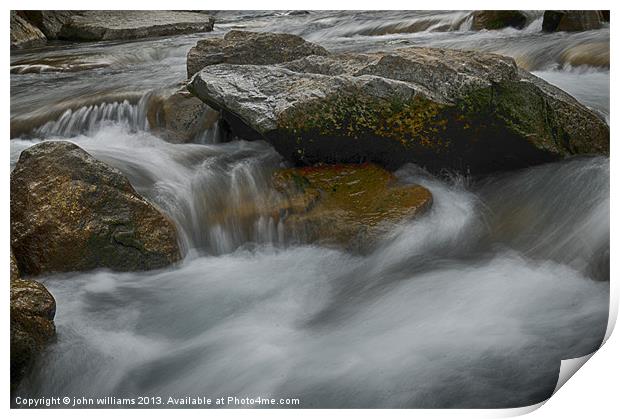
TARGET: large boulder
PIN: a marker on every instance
(571, 20)
(345, 205)
(23, 33)
(97, 25)
(32, 324)
(71, 212)
(243, 47)
(468, 111)
(498, 19)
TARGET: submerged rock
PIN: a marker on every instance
(498, 19)
(71, 212)
(98, 25)
(571, 20)
(241, 47)
(32, 324)
(23, 33)
(350, 205)
(468, 111)
(179, 117)
(595, 54)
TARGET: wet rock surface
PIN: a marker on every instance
(34, 27)
(97, 25)
(572, 20)
(71, 212)
(23, 33)
(498, 19)
(50, 22)
(467, 111)
(32, 324)
(346, 205)
(179, 117)
(243, 47)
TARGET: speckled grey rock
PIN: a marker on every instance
(97, 25)
(467, 111)
(243, 47)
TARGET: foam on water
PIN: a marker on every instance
(425, 321)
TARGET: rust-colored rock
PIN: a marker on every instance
(349, 204)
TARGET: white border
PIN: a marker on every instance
(593, 393)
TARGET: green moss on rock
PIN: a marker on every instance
(357, 115)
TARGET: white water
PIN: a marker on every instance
(460, 308)
(472, 305)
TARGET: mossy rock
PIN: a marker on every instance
(442, 109)
(348, 205)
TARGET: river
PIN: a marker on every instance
(472, 305)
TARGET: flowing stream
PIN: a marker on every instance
(472, 305)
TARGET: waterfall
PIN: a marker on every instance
(88, 119)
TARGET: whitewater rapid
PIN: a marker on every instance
(502, 275)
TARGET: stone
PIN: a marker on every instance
(467, 111)
(14, 268)
(571, 20)
(71, 212)
(101, 25)
(32, 324)
(23, 33)
(595, 54)
(50, 22)
(346, 205)
(498, 19)
(179, 117)
(243, 47)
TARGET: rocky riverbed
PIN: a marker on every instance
(297, 202)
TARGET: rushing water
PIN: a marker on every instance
(472, 305)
